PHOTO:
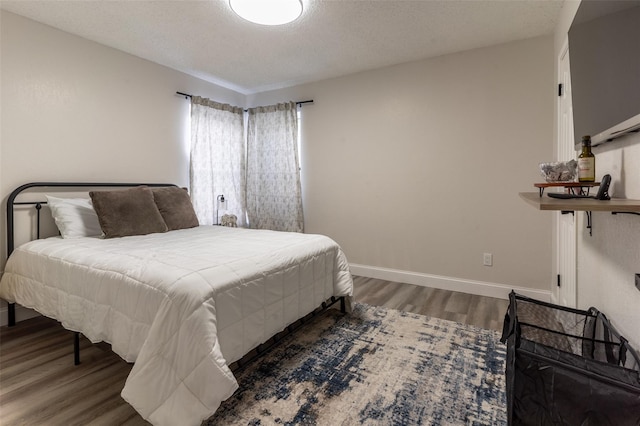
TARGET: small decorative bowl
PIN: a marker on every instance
(559, 171)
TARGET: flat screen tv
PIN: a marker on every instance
(604, 56)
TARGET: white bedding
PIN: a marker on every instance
(182, 304)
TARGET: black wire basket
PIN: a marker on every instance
(567, 367)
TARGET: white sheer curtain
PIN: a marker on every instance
(217, 160)
(274, 197)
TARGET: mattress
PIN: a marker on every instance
(182, 305)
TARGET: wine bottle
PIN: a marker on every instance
(586, 162)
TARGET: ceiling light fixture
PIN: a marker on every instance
(267, 12)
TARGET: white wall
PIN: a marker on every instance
(608, 260)
(415, 169)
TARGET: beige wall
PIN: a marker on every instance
(608, 260)
(415, 169)
(74, 110)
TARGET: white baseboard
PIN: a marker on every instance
(479, 288)
(22, 314)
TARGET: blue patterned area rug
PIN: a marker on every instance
(375, 366)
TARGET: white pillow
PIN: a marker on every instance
(75, 217)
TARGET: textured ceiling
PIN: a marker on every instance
(331, 38)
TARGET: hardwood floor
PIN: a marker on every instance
(39, 385)
(484, 312)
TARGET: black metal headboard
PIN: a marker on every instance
(11, 203)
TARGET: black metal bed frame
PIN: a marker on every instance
(11, 203)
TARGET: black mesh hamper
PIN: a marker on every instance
(567, 367)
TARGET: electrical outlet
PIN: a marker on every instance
(487, 259)
(638, 281)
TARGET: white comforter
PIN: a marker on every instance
(181, 304)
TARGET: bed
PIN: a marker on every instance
(182, 304)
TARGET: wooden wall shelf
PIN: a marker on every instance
(580, 204)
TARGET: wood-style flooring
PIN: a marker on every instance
(39, 385)
(480, 311)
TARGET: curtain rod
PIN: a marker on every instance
(186, 95)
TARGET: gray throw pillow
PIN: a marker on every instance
(175, 207)
(127, 212)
